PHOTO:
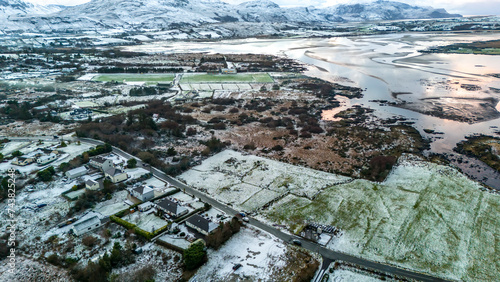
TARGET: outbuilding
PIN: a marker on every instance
(76, 172)
(86, 225)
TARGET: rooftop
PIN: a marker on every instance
(202, 223)
(143, 189)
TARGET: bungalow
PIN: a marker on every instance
(23, 161)
(101, 163)
(115, 175)
(201, 224)
(93, 185)
(171, 208)
(86, 225)
(76, 172)
(143, 193)
(43, 160)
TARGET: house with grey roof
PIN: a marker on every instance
(101, 163)
(143, 193)
(93, 184)
(115, 175)
(171, 208)
(201, 224)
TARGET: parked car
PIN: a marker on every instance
(245, 219)
(237, 266)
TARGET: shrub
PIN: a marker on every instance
(53, 259)
(131, 163)
(195, 256)
(89, 241)
(17, 153)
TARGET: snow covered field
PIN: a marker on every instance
(114, 205)
(146, 221)
(250, 182)
(425, 216)
(343, 275)
(256, 251)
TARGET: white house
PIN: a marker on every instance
(43, 160)
(86, 225)
(171, 208)
(143, 193)
(93, 185)
(76, 172)
(201, 224)
(101, 163)
(115, 175)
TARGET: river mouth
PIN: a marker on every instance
(454, 94)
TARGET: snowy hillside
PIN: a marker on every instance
(18, 7)
(386, 10)
(140, 15)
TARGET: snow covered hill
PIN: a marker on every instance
(140, 15)
(18, 7)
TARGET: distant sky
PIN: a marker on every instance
(464, 7)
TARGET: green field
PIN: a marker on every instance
(134, 77)
(221, 78)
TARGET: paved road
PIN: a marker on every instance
(327, 254)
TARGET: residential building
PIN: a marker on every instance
(143, 193)
(101, 163)
(115, 175)
(93, 184)
(76, 172)
(171, 208)
(201, 224)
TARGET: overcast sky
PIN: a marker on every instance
(464, 7)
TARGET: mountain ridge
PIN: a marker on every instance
(140, 15)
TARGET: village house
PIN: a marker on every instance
(93, 184)
(101, 163)
(171, 208)
(76, 172)
(115, 175)
(201, 224)
(143, 193)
